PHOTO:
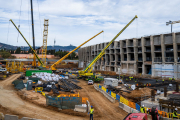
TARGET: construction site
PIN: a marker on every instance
(129, 79)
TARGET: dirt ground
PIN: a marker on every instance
(24, 104)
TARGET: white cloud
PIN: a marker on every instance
(74, 21)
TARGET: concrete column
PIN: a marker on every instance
(175, 48)
(121, 54)
(135, 44)
(152, 48)
(143, 54)
(162, 48)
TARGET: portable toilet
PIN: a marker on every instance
(111, 81)
(29, 84)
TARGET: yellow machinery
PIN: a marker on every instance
(27, 43)
(54, 66)
(44, 46)
(88, 70)
(14, 66)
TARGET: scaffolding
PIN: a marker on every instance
(44, 46)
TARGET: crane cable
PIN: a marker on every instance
(19, 20)
(8, 32)
(136, 28)
(40, 20)
(29, 20)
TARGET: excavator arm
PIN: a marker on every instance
(53, 67)
(84, 72)
(27, 42)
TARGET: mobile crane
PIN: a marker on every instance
(54, 66)
(27, 43)
(88, 70)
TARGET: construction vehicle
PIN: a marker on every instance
(54, 66)
(136, 116)
(27, 43)
(88, 70)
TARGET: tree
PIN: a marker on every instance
(18, 50)
(5, 54)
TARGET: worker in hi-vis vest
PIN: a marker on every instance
(175, 113)
(91, 112)
(142, 109)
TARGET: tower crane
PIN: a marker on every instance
(54, 66)
(88, 70)
(172, 22)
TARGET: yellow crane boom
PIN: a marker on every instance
(53, 67)
(83, 73)
(27, 42)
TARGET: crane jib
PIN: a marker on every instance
(103, 51)
(27, 42)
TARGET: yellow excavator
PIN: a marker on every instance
(54, 66)
(87, 72)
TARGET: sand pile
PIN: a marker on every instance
(138, 93)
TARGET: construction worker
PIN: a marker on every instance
(91, 113)
(163, 80)
(175, 113)
(154, 113)
(142, 109)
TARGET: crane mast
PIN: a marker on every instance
(53, 67)
(44, 46)
(84, 72)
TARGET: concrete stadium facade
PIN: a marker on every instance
(154, 55)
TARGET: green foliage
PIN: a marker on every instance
(61, 54)
(5, 54)
(18, 50)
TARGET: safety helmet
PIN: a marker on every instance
(176, 109)
(143, 105)
(91, 106)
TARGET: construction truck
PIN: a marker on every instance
(88, 70)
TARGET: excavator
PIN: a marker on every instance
(54, 66)
(87, 72)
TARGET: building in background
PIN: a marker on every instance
(155, 55)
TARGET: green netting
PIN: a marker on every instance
(63, 102)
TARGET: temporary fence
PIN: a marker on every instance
(63, 102)
(129, 106)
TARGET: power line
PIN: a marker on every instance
(39, 18)
(19, 20)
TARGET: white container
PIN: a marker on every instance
(111, 81)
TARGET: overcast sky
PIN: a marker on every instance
(75, 21)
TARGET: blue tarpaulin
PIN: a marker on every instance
(117, 97)
(137, 107)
